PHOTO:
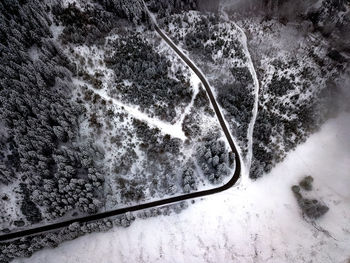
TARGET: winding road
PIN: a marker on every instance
(171, 200)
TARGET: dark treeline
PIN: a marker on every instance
(149, 74)
(57, 171)
(214, 159)
(331, 17)
(39, 122)
(162, 7)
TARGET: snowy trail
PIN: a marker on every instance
(256, 91)
(175, 130)
(256, 99)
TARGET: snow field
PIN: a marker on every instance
(253, 222)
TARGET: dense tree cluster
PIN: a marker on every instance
(190, 125)
(161, 153)
(38, 120)
(222, 58)
(325, 14)
(59, 171)
(306, 183)
(164, 7)
(163, 210)
(77, 183)
(26, 246)
(289, 131)
(233, 98)
(330, 17)
(133, 10)
(312, 208)
(333, 21)
(124, 220)
(209, 38)
(280, 85)
(148, 73)
(189, 178)
(153, 143)
(28, 208)
(124, 162)
(88, 26)
(201, 105)
(207, 30)
(202, 101)
(214, 160)
(128, 218)
(131, 190)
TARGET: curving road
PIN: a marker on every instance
(230, 183)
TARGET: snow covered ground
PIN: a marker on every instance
(253, 222)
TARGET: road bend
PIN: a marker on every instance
(90, 218)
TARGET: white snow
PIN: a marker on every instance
(33, 53)
(56, 31)
(254, 222)
(78, 4)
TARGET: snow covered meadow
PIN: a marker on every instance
(254, 222)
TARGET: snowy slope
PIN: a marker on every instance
(255, 222)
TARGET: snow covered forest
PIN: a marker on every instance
(98, 112)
